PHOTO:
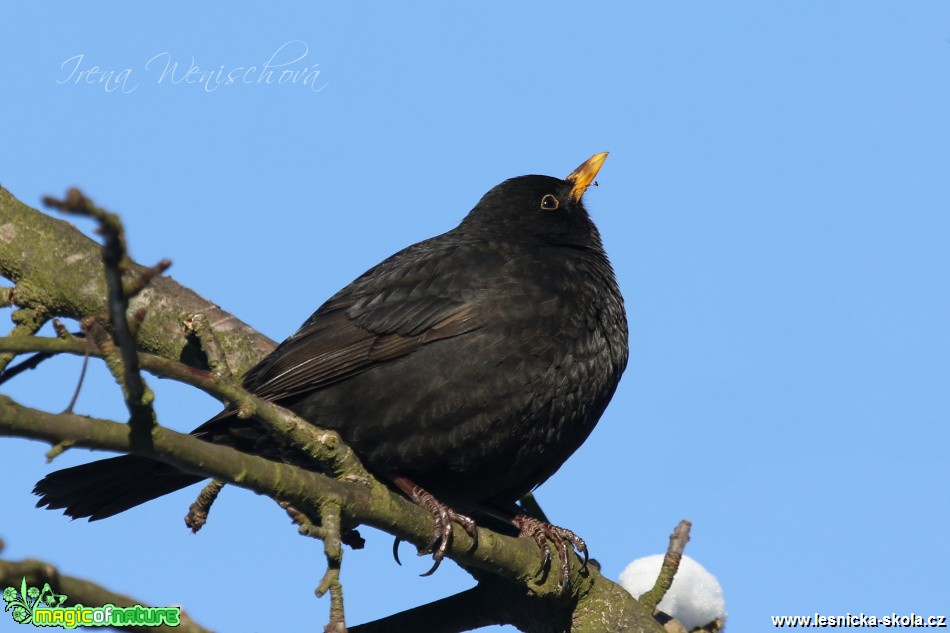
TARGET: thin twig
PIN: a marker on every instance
(333, 550)
(99, 340)
(116, 262)
(217, 361)
(64, 333)
(671, 562)
(27, 322)
(324, 446)
(145, 275)
(82, 376)
(198, 511)
(26, 364)
(305, 526)
(330, 533)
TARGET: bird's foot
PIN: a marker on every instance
(544, 534)
(444, 518)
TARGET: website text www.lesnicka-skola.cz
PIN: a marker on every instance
(859, 620)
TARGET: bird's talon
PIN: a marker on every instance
(474, 535)
(435, 565)
(544, 535)
(545, 561)
(444, 517)
(565, 567)
(396, 550)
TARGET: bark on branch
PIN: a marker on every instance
(58, 270)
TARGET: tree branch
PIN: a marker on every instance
(671, 563)
(374, 505)
(58, 271)
(81, 591)
(324, 446)
(115, 258)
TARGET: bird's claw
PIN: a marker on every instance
(444, 518)
(396, 543)
(544, 534)
(442, 535)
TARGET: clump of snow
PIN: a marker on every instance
(695, 598)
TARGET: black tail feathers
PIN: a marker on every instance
(109, 486)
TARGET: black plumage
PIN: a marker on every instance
(473, 363)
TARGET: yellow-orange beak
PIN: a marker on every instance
(585, 174)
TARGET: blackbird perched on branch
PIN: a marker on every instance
(464, 369)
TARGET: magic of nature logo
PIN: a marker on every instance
(44, 607)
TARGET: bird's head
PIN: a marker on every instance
(540, 208)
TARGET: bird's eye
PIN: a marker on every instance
(549, 203)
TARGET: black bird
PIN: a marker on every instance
(464, 369)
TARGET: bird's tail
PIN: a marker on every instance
(109, 486)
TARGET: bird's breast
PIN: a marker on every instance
(494, 411)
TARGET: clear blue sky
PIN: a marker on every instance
(776, 204)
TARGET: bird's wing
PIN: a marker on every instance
(390, 311)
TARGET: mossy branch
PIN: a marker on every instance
(671, 563)
(365, 503)
(81, 591)
(58, 271)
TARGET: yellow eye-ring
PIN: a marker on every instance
(549, 203)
